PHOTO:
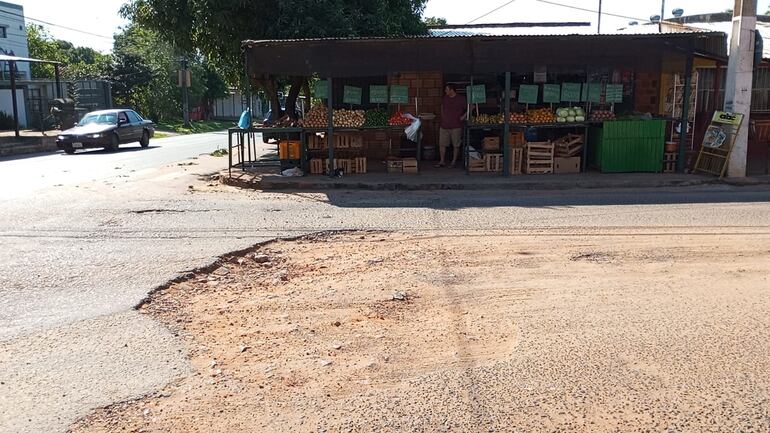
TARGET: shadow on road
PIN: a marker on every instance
(456, 200)
(107, 152)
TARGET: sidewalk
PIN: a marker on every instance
(458, 180)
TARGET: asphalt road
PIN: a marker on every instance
(28, 173)
(82, 247)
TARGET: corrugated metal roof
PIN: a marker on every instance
(506, 33)
(727, 28)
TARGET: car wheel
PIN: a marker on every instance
(145, 141)
(69, 150)
(114, 143)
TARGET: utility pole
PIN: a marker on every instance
(740, 76)
(184, 82)
(662, 15)
(599, 26)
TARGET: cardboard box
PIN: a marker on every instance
(410, 166)
(394, 166)
(491, 143)
(566, 165)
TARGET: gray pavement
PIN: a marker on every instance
(77, 257)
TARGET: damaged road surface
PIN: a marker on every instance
(627, 330)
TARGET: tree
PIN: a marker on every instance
(217, 28)
(144, 75)
(435, 21)
(79, 63)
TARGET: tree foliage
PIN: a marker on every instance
(144, 75)
(216, 28)
(435, 21)
(80, 63)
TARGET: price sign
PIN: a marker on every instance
(570, 92)
(528, 94)
(614, 93)
(352, 95)
(378, 94)
(551, 93)
(322, 89)
(399, 94)
(594, 92)
(477, 94)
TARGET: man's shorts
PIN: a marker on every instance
(450, 136)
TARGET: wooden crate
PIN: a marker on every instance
(348, 141)
(493, 162)
(359, 165)
(317, 166)
(517, 160)
(539, 157)
(477, 165)
(491, 144)
(516, 139)
(669, 162)
(316, 142)
(568, 146)
(410, 166)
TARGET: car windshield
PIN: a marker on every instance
(102, 119)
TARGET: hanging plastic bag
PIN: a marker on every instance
(245, 121)
(412, 131)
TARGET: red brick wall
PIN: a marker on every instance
(647, 92)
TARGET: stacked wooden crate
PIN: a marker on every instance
(539, 157)
(569, 146)
(317, 166)
(493, 162)
(517, 160)
(669, 162)
(359, 165)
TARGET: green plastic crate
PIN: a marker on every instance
(628, 146)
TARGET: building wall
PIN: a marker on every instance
(12, 19)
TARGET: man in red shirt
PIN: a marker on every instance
(454, 111)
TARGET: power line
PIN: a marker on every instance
(485, 15)
(55, 25)
(592, 10)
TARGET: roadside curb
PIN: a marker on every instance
(303, 184)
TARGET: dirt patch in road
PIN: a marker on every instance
(393, 333)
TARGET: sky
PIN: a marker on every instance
(95, 21)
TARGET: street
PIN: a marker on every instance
(87, 237)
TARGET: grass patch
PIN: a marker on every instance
(219, 152)
(196, 127)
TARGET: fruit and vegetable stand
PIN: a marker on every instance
(541, 123)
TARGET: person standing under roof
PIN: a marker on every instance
(454, 111)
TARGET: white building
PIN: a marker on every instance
(13, 37)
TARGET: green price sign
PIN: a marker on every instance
(399, 94)
(570, 92)
(477, 94)
(594, 92)
(378, 94)
(551, 93)
(352, 95)
(528, 94)
(322, 89)
(614, 93)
